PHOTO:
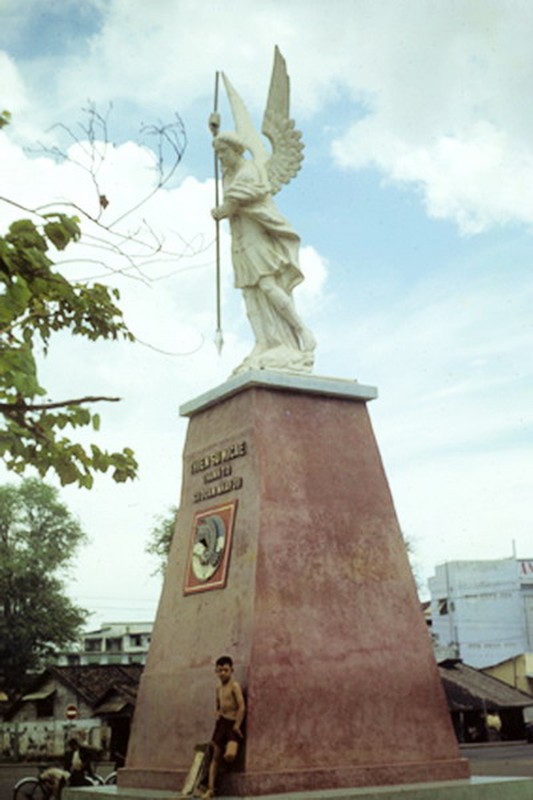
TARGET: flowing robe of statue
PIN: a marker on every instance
(262, 243)
(264, 246)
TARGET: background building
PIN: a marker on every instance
(517, 672)
(113, 643)
(474, 697)
(93, 702)
(482, 611)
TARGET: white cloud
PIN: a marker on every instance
(13, 92)
(309, 295)
(478, 178)
(446, 110)
(443, 87)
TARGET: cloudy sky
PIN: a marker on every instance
(415, 209)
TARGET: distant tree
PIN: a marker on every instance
(410, 549)
(39, 538)
(161, 537)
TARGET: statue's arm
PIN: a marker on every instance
(225, 210)
(245, 190)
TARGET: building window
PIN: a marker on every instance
(443, 606)
(73, 659)
(136, 639)
(45, 707)
(93, 645)
(113, 645)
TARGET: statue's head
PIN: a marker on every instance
(229, 139)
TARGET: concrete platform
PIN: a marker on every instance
(476, 788)
(280, 381)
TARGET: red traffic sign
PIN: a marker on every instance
(71, 712)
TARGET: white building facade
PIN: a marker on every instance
(482, 611)
(113, 643)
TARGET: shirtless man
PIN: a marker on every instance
(230, 710)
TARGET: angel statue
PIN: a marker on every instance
(264, 246)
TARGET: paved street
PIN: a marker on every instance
(500, 759)
(10, 774)
(495, 759)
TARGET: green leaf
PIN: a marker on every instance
(13, 301)
(35, 302)
(23, 233)
(5, 118)
(62, 230)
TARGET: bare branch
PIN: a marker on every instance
(117, 248)
(17, 408)
(168, 352)
(171, 136)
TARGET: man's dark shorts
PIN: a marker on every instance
(224, 732)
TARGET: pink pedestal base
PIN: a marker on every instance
(319, 610)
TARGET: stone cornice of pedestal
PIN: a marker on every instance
(282, 381)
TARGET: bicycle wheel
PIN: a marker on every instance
(30, 789)
(96, 780)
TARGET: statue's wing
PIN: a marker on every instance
(287, 145)
(244, 126)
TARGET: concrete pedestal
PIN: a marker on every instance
(313, 598)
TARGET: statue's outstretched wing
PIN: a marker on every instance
(287, 145)
(244, 126)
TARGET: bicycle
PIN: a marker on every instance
(40, 788)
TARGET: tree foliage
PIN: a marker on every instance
(35, 302)
(160, 537)
(410, 549)
(39, 538)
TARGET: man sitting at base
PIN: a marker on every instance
(77, 768)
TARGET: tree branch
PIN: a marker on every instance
(78, 401)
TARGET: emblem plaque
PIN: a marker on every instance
(209, 548)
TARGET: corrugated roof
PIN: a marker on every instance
(39, 695)
(469, 689)
(111, 707)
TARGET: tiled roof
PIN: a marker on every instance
(469, 689)
(92, 681)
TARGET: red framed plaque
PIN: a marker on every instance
(209, 548)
